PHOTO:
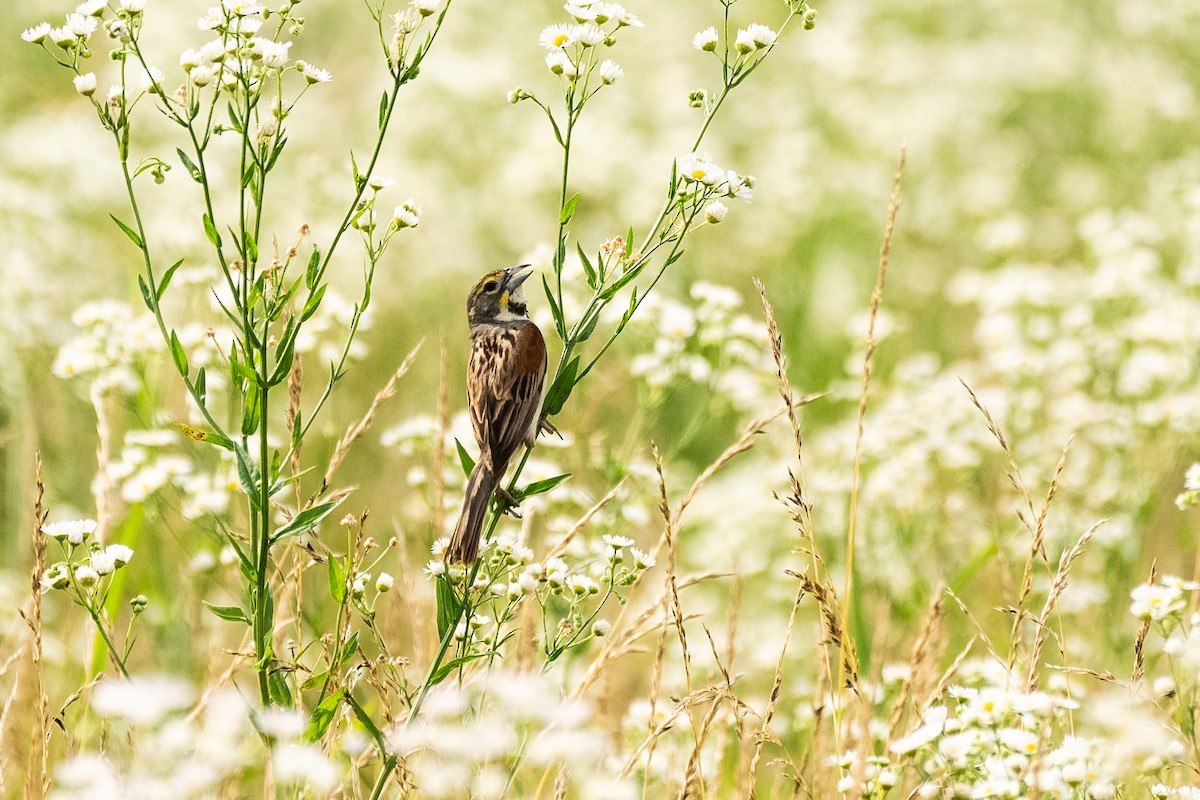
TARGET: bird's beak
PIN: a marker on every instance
(517, 276)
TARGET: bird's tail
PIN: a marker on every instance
(464, 546)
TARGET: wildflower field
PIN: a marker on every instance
(873, 361)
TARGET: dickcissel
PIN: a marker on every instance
(505, 378)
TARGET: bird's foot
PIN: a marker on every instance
(547, 427)
(508, 503)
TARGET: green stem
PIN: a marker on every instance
(117, 658)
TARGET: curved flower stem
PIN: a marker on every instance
(116, 655)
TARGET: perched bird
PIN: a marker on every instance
(505, 378)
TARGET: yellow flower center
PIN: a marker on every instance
(561, 39)
(698, 173)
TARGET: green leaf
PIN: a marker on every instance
(568, 209)
(210, 230)
(202, 386)
(560, 326)
(201, 435)
(249, 174)
(178, 355)
(306, 520)
(313, 303)
(312, 273)
(251, 412)
(251, 249)
(449, 607)
(275, 153)
(234, 119)
(337, 580)
(247, 475)
(133, 237)
(611, 291)
(368, 723)
(190, 166)
(281, 695)
(315, 680)
(359, 181)
(322, 716)
(464, 458)
(349, 649)
(453, 664)
(541, 487)
(229, 613)
(239, 370)
(588, 269)
(560, 390)
(283, 362)
(588, 329)
(383, 107)
(147, 298)
(166, 279)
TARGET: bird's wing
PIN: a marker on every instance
(504, 389)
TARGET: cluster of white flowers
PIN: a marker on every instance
(173, 754)
(85, 565)
(1108, 340)
(114, 343)
(507, 575)
(1164, 601)
(147, 465)
(498, 736)
(571, 45)
(992, 741)
(708, 342)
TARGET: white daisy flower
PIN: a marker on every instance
(37, 34)
(715, 211)
(611, 72)
(85, 84)
(559, 35)
(706, 39)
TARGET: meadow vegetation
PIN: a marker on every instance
(872, 352)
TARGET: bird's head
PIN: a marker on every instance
(499, 296)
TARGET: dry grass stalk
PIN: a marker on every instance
(743, 443)
(672, 587)
(693, 776)
(831, 620)
(923, 655)
(801, 508)
(295, 384)
(1028, 520)
(1059, 585)
(664, 507)
(625, 634)
(37, 775)
(979, 631)
(1139, 645)
(359, 428)
(868, 360)
(1014, 474)
(776, 685)
(102, 484)
(700, 697)
(943, 682)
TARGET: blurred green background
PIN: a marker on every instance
(1021, 119)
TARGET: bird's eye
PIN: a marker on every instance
(490, 286)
